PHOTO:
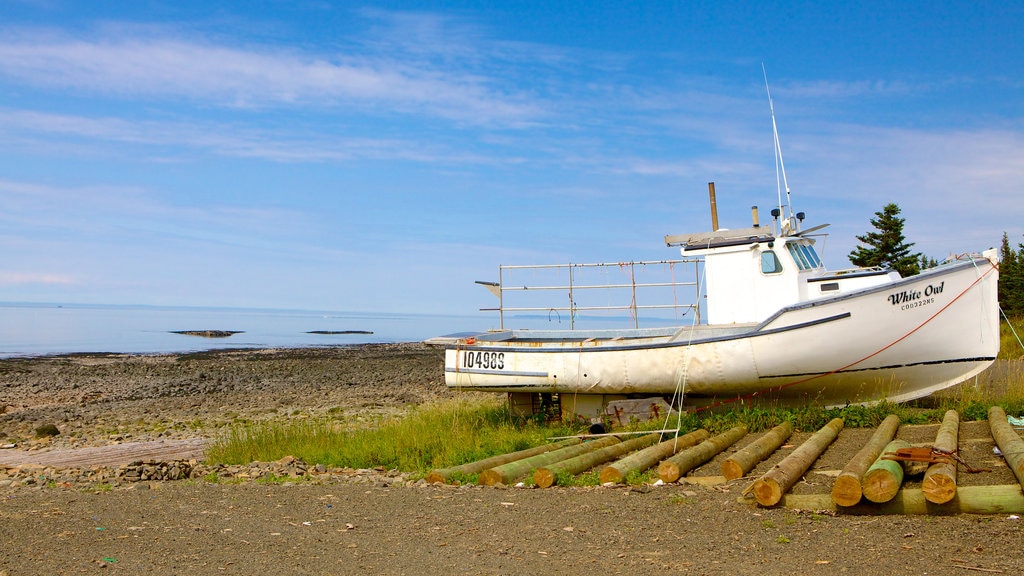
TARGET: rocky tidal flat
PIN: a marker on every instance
(172, 512)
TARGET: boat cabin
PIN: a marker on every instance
(752, 273)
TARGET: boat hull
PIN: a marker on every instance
(896, 342)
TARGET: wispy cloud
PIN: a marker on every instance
(8, 278)
(166, 66)
(115, 215)
(293, 144)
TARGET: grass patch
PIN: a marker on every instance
(590, 478)
(808, 418)
(429, 436)
(1011, 335)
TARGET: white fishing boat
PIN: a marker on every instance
(770, 324)
(780, 328)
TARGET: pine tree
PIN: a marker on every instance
(927, 263)
(886, 247)
(1011, 278)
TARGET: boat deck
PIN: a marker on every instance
(664, 334)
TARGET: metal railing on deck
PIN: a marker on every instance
(574, 287)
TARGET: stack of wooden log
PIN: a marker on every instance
(870, 483)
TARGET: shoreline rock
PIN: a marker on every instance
(208, 333)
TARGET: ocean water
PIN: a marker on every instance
(33, 329)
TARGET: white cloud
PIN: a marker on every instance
(131, 65)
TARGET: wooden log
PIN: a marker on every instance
(548, 475)
(939, 484)
(769, 488)
(671, 469)
(642, 460)
(1003, 499)
(846, 490)
(507, 473)
(883, 478)
(744, 460)
(1009, 442)
(444, 474)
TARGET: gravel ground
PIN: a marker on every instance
(377, 526)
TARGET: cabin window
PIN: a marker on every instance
(830, 286)
(798, 256)
(812, 256)
(770, 262)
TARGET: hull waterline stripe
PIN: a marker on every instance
(493, 373)
(889, 367)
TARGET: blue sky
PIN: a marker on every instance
(382, 156)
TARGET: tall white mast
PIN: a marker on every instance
(780, 166)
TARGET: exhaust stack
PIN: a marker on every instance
(714, 207)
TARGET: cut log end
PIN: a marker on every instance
(939, 488)
(767, 491)
(489, 478)
(668, 472)
(846, 491)
(612, 475)
(544, 478)
(436, 478)
(731, 470)
(880, 485)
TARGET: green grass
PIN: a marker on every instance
(1011, 336)
(429, 436)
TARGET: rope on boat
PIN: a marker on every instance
(995, 266)
(680, 391)
(1003, 313)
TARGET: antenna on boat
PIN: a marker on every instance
(780, 166)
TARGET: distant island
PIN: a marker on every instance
(207, 333)
(332, 332)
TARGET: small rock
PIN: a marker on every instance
(47, 429)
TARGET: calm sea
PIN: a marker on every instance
(31, 329)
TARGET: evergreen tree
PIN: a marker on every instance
(886, 246)
(927, 263)
(1011, 278)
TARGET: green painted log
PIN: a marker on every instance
(671, 469)
(1004, 499)
(846, 490)
(769, 488)
(443, 474)
(939, 484)
(548, 475)
(884, 478)
(508, 473)
(644, 459)
(745, 460)
(1009, 442)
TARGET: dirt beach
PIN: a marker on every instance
(387, 523)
